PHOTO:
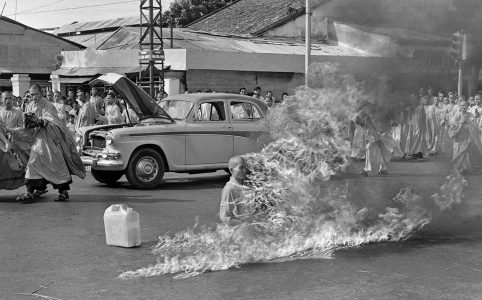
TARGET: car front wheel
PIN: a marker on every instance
(107, 177)
(145, 169)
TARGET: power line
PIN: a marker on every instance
(29, 10)
(78, 7)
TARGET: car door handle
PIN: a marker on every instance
(227, 127)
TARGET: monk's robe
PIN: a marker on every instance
(404, 118)
(113, 114)
(431, 127)
(12, 175)
(86, 116)
(440, 128)
(416, 127)
(11, 118)
(51, 149)
(467, 149)
(379, 148)
(358, 143)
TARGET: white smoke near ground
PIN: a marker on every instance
(293, 210)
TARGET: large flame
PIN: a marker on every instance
(292, 213)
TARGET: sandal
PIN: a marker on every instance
(26, 198)
(62, 197)
(38, 193)
(364, 173)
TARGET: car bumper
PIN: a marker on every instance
(102, 164)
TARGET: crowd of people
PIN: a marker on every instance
(444, 125)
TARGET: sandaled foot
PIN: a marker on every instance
(38, 193)
(364, 173)
(382, 172)
(62, 197)
(26, 198)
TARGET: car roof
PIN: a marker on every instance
(196, 97)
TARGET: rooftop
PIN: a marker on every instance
(249, 17)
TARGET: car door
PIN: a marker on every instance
(248, 131)
(209, 138)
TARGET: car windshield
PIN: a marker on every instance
(177, 109)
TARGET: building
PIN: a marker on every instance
(260, 43)
(28, 55)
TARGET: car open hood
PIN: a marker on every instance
(140, 101)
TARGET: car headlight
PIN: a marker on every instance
(109, 138)
(78, 137)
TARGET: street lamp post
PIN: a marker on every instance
(307, 42)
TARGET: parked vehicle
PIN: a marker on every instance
(188, 133)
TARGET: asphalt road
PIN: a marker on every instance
(63, 245)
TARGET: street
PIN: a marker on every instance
(62, 245)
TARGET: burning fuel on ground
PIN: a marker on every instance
(293, 208)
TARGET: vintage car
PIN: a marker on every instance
(188, 133)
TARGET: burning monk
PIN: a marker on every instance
(467, 150)
(52, 156)
(231, 211)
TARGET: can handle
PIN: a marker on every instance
(118, 207)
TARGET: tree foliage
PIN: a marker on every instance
(184, 12)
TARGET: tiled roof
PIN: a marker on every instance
(249, 17)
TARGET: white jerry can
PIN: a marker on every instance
(122, 226)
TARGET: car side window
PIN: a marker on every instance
(243, 111)
(210, 111)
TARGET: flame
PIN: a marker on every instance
(291, 210)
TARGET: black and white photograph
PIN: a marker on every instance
(240, 149)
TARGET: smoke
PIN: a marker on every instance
(293, 209)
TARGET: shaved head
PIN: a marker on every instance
(235, 161)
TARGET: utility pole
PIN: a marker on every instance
(307, 43)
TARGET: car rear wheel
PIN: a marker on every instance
(107, 177)
(145, 169)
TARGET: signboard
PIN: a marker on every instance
(155, 55)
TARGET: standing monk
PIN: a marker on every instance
(415, 130)
(467, 153)
(86, 115)
(9, 115)
(53, 156)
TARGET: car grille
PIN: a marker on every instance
(97, 142)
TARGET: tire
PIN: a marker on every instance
(107, 177)
(145, 169)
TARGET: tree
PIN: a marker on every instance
(185, 12)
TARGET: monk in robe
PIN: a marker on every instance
(431, 123)
(113, 113)
(467, 151)
(12, 175)
(10, 116)
(379, 148)
(86, 115)
(53, 156)
(415, 141)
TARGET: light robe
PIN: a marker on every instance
(415, 140)
(62, 110)
(358, 143)
(12, 174)
(379, 148)
(11, 118)
(467, 149)
(431, 127)
(113, 114)
(440, 128)
(52, 153)
(86, 116)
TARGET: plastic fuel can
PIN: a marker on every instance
(122, 226)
